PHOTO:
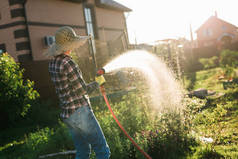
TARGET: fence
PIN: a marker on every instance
(192, 56)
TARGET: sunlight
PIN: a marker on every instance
(168, 92)
(155, 20)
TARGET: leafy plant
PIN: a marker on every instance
(229, 58)
(16, 94)
(209, 62)
(158, 134)
(46, 141)
(43, 113)
(171, 138)
(207, 151)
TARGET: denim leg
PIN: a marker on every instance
(97, 139)
(83, 148)
(86, 131)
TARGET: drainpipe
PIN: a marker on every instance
(126, 31)
(27, 27)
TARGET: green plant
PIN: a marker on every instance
(171, 138)
(207, 152)
(43, 113)
(157, 134)
(133, 113)
(192, 107)
(209, 62)
(229, 58)
(46, 141)
(16, 94)
(166, 135)
(229, 71)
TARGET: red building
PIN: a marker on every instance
(216, 32)
(27, 30)
(25, 24)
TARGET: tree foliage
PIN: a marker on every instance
(16, 94)
(229, 58)
(209, 62)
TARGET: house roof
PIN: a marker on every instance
(111, 4)
(216, 19)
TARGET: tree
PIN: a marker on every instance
(16, 95)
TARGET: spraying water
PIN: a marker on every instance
(164, 90)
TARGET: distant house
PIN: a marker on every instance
(142, 46)
(216, 32)
(27, 30)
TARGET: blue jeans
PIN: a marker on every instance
(86, 133)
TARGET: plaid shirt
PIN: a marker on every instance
(69, 84)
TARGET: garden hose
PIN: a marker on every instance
(102, 89)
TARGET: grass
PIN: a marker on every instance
(218, 119)
(204, 79)
(167, 134)
(215, 117)
(209, 79)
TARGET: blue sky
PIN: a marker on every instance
(153, 20)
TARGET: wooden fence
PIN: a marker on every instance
(192, 56)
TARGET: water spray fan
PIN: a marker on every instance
(101, 80)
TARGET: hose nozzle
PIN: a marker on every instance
(100, 72)
(99, 77)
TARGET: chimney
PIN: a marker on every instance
(191, 33)
(216, 14)
(191, 36)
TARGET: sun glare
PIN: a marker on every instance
(164, 90)
(153, 20)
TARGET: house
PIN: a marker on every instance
(142, 46)
(27, 30)
(216, 32)
(25, 24)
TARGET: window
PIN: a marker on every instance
(224, 27)
(89, 21)
(20, 33)
(13, 2)
(204, 32)
(207, 32)
(18, 12)
(90, 25)
(22, 46)
(2, 48)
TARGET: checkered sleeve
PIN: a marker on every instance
(74, 75)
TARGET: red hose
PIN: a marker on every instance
(102, 89)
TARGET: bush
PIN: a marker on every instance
(207, 152)
(133, 113)
(40, 115)
(43, 113)
(46, 141)
(229, 58)
(161, 135)
(16, 95)
(171, 139)
(209, 62)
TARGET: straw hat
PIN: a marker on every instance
(65, 39)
